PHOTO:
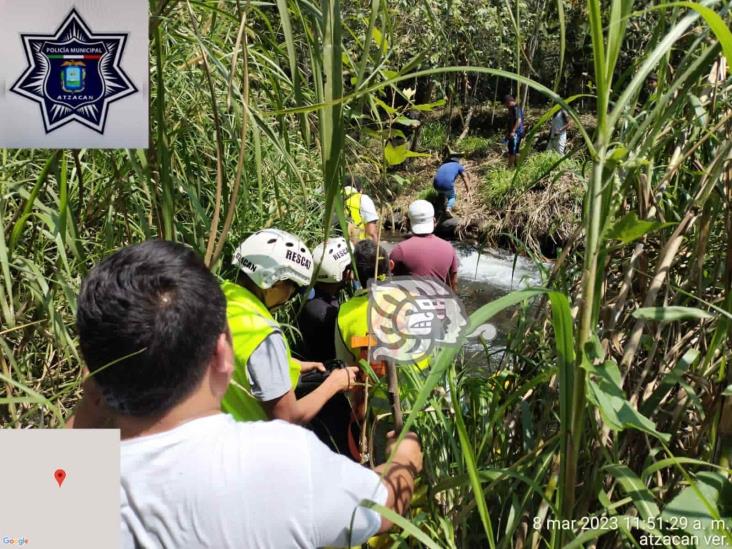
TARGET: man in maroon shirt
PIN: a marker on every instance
(425, 254)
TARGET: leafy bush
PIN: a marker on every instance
(502, 184)
(433, 136)
(429, 194)
(474, 145)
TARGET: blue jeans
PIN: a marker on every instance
(450, 196)
(514, 143)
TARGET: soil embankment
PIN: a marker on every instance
(538, 206)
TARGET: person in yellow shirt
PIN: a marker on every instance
(353, 314)
(360, 211)
(273, 266)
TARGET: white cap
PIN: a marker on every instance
(422, 217)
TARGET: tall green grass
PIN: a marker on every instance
(608, 400)
(433, 136)
(500, 184)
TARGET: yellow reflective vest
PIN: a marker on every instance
(353, 322)
(250, 323)
(353, 211)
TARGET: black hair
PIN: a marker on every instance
(365, 254)
(448, 155)
(653, 77)
(149, 317)
(355, 181)
(508, 98)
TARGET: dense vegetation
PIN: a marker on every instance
(611, 403)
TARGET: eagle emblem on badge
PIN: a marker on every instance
(74, 74)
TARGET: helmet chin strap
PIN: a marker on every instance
(249, 284)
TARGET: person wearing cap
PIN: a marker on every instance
(424, 254)
(360, 211)
(446, 176)
(273, 265)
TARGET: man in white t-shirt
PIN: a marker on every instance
(360, 211)
(558, 132)
(152, 328)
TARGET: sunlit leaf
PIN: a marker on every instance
(430, 106)
(604, 391)
(629, 228)
(671, 314)
(698, 509)
(395, 155)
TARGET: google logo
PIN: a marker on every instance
(14, 541)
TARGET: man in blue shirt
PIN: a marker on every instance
(447, 174)
(514, 129)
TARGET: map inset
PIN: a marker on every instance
(60, 489)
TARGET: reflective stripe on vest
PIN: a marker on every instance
(353, 210)
(250, 323)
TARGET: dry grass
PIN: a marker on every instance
(543, 218)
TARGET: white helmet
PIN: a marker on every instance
(331, 258)
(271, 255)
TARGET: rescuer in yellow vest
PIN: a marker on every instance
(360, 211)
(353, 314)
(273, 266)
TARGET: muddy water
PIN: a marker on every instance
(484, 276)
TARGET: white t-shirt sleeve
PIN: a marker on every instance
(368, 209)
(338, 486)
(268, 369)
(128, 541)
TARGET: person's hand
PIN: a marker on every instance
(344, 378)
(409, 449)
(306, 367)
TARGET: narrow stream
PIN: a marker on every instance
(483, 276)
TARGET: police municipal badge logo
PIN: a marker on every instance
(74, 74)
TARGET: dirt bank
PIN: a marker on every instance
(540, 208)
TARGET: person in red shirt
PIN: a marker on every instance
(425, 254)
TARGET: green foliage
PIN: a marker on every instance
(475, 145)
(500, 185)
(433, 136)
(671, 314)
(701, 510)
(630, 228)
(398, 154)
(429, 194)
(604, 390)
(557, 425)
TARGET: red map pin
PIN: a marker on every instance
(60, 476)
